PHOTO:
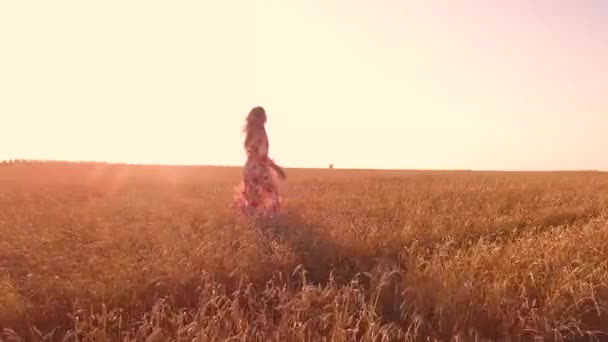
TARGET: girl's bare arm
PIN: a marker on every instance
(279, 170)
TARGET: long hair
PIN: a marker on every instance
(255, 122)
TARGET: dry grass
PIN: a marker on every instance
(102, 252)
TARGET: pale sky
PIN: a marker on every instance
(471, 84)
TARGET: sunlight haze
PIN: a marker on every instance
(364, 84)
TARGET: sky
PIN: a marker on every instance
(427, 84)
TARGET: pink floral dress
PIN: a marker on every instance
(258, 194)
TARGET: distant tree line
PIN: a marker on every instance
(41, 161)
(14, 161)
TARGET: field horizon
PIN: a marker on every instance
(112, 251)
(290, 167)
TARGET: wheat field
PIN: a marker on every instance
(101, 252)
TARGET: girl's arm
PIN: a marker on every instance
(279, 170)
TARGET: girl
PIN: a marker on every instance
(258, 194)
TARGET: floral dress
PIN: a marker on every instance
(258, 195)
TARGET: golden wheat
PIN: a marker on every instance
(114, 252)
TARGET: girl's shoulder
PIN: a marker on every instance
(259, 132)
(256, 136)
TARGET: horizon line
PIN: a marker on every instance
(65, 161)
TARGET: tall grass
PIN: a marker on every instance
(114, 252)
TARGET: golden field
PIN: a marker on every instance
(95, 252)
